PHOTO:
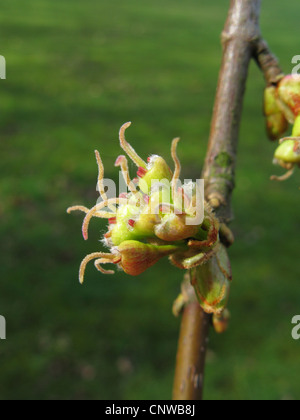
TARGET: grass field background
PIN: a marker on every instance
(76, 71)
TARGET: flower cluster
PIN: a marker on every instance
(282, 106)
(159, 217)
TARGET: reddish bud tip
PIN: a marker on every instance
(296, 148)
(85, 233)
(131, 222)
(119, 160)
(141, 172)
(112, 220)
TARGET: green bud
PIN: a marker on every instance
(145, 224)
(157, 170)
(270, 101)
(296, 128)
(137, 257)
(211, 282)
(276, 126)
(276, 122)
(288, 152)
(173, 228)
(160, 194)
(120, 231)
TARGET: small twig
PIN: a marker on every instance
(267, 62)
(239, 38)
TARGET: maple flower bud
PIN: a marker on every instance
(173, 228)
(288, 93)
(157, 170)
(153, 220)
(276, 123)
(211, 282)
(120, 231)
(145, 225)
(287, 155)
(160, 193)
(136, 257)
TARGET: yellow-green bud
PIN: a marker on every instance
(173, 228)
(288, 152)
(157, 170)
(160, 194)
(211, 282)
(296, 128)
(288, 92)
(120, 232)
(145, 224)
(276, 122)
(137, 257)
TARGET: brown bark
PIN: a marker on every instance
(190, 355)
(239, 38)
(267, 62)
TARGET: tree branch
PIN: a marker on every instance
(267, 62)
(239, 38)
(191, 352)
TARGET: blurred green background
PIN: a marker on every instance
(76, 71)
